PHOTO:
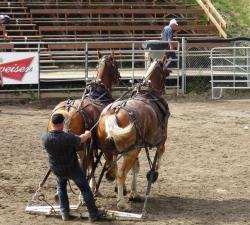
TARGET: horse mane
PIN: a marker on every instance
(150, 69)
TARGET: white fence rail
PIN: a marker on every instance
(230, 69)
(58, 62)
(196, 61)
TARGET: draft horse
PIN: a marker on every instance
(140, 122)
(82, 114)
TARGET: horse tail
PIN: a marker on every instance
(114, 131)
(67, 120)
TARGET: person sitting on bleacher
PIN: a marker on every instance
(168, 35)
(4, 19)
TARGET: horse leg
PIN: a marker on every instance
(128, 162)
(111, 167)
(134, 196)
(160, 150)
(160, 153)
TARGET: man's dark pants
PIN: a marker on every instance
(79, 177)
(171, 57)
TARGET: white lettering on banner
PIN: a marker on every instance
(15, 69)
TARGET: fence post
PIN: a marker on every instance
(212, 75)
(133, 63)
(39, 77)
(86, 61)
(248, 66)
(183, 65)
(234, 64)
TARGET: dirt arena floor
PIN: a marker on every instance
(204, 178)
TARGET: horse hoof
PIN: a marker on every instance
(109, 177)
(155, 175)
(135, 198)
(124, 190)
(122, 206)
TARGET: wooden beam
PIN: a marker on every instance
(213, 20)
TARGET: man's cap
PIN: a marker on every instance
(173, 21)
(57, 118)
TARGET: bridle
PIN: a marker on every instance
(163, 76)
(114, 67)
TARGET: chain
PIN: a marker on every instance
(42, 198)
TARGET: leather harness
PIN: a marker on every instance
(148, 96)
(96, 94)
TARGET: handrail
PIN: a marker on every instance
(209, 9)
(216, 13)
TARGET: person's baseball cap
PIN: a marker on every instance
(173, 21)
(57, 118)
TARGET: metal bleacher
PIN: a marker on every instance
(102, 20)
(61, 20)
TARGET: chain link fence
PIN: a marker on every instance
(197, 68)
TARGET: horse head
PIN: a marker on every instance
(156, 74)
(107, 70)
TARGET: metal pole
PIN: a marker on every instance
(248, 66)
(234, 64)
(86, 61)
(178, 68)
(39, 78)
(183, 66)
(152, 171)
(212, 75)
(133, 64)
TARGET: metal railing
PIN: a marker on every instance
(59, 64)
(230, 69)
(192, 72)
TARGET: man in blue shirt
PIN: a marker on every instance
(168, 35)
(61, 148)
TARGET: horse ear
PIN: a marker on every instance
(99, 55)
(112, 55)
(150, 59)
(163, 59)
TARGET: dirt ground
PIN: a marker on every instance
(204, 178)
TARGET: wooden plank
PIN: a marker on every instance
(121, 28)
(64, 46)
(107, 3)
(98, 28)
(6, 46)
(213, 20)
(113, 19)
(93, 46)
(116, 11)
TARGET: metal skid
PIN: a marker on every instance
(49, 211)
(109, 214)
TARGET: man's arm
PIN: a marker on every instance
(85, 136)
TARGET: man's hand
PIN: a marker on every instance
(88, 134)
(85, 136)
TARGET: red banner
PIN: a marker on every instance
(16, 69)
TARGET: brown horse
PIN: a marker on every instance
(129, 125)
(82, 114)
